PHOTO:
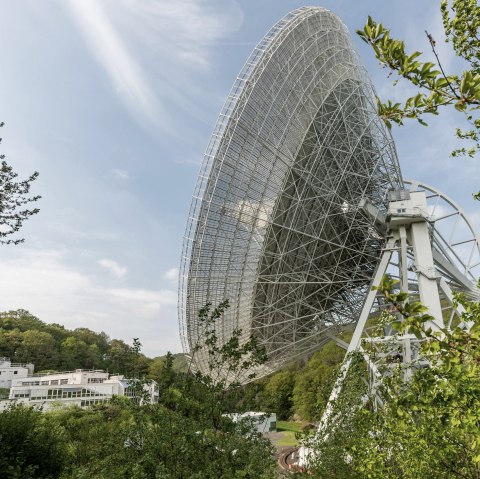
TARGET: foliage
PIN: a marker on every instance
(350, 422)
(24, 338)
(186, 435)
(437, 89)
(430, 425)
(313, 383)
(298, 391)
(159, 364)
(226, 363)
(30, 445)
(290, 392)
(278, 393)
(13, 201)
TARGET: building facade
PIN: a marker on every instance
(12, 371)
(80, 387)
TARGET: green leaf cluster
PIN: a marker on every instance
(436, 89)
(429, 425)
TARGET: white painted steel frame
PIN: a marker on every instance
(274, 224)
(451, 270)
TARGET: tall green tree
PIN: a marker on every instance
(73, 352)
(278, 393)
(39, 348)
(429, 426)
(186, 435)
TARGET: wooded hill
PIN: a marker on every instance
(299, 390)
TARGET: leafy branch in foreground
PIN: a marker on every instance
(429, 425)
(227, 363)
(436, 88)
(13, 200)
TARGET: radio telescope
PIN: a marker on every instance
(285, 217)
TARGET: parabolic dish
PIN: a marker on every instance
(274, 224)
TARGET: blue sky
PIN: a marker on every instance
(113, 102)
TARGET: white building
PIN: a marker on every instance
(10, 371)
(261, 421)
(79, 387)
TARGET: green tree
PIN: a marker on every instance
(30, 446)
(184, 436)
(311, 389)
(14, 201)
(430, 426)
(20, 319)
(39, 348)
(73, 352)
(278, 393)
(351, 421)
(10, 341)
(90, 337)
(119, 356)
(436, 88)
(157, 368)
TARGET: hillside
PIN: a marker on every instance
(299, 390)
(25, 338)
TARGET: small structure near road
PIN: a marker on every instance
(262, 422)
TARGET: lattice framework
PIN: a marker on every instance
(274, 224)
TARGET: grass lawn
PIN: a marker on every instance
(288, 439)
(290, 426)
(287, 430)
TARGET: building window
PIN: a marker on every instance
(54, 381)
(95, 380)
(91, 402)
(54, 393)
(15, 372)
(63, 381)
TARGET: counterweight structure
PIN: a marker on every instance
(275, 224)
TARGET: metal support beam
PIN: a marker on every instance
(357, 334)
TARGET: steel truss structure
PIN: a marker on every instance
(275, 224)
(432, 249)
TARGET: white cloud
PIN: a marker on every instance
(171, 275)
(149, 300)
(43, 283)
(148, 47)
(113, 267)
(185, 29)
(113, 54)
(121, 175)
